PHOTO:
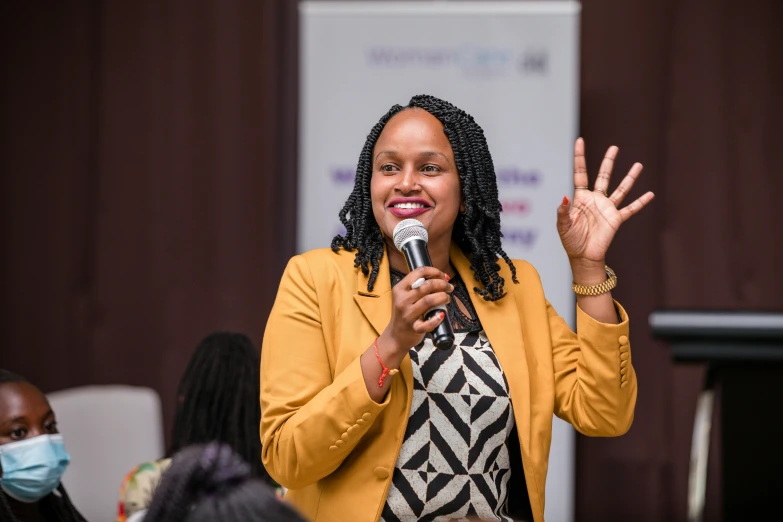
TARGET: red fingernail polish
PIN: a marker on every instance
(447, 277)
(565, 201)
(443, 315)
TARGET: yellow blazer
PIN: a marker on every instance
(326, 440)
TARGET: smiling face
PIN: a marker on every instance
(414, 176)
(24, 413)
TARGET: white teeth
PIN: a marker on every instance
(409, 205)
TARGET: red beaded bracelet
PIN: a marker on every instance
(386, 371)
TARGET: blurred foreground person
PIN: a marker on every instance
(32, 456)
(217, 400)
(212, 483)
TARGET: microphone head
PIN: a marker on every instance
(409, 229)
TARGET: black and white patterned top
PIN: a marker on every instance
(454, 461)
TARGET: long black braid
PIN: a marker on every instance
(211, 482)
(218, 398)
(476, 231)
(54, 506)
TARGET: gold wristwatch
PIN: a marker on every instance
(606, 286)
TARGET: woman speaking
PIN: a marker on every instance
(363, 418)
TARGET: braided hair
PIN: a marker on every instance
(218, 399)
(476, 231)
(211, 482)
(54, 506)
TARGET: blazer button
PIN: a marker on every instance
(360, 421)
(344, 435)
(623, 340)
(366, 416)
(339, 443)
(352, 429)
(381, 473)
(332, 448)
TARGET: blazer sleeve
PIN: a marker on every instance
(595, 383)
(310, 419)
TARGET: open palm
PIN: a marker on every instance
(588, 227)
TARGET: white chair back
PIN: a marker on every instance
(108, 430)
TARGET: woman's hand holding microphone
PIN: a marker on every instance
(411, 300)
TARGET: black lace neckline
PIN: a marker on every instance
(460, 321)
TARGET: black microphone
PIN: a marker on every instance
(410, 238)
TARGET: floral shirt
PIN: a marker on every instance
(139, 486)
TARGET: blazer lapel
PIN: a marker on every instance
(503, 327)
(376, 305)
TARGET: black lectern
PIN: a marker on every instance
(744, 356)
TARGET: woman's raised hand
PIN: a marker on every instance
(587, 228)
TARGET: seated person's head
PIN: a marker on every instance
(218, 398)
(32, 455)
(210, 482)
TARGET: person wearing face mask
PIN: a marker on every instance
(364, 418)
(32, 456)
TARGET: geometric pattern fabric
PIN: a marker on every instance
(454, 461)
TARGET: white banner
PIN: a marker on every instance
(513, 66)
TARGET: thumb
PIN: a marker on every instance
(563, 216)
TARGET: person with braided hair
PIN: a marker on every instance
(217, 399)
(208, 483)
(32, 456)
(364, 418)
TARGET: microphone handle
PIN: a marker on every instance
(416, 255)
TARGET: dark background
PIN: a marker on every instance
(148, 194)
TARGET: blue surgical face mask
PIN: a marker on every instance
(32, 468)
